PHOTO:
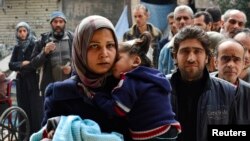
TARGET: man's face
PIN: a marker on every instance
(141, 17)
(200, 21)
(172, 25)
(191, 59)
(235, 22)
(58, 25)
(182, 19)
(230, 61)
(216, 26)
(245, 41)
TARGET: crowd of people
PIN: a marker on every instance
(149, 86)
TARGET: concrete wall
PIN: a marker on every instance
(36, 13)
(76, 10)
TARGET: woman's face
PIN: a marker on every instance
(22, 33)
(101, 51)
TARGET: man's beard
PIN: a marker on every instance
(58, 34)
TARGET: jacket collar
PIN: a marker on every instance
(134, 30)
(176, 76)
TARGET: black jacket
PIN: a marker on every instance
(67, 98)
(43, 61)
(215, 105)
(243, 103)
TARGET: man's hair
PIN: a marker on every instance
(245, 31)
(227, 40)
(215, 12)
(141, 6)
(214, 38)
(184, 8)
(228, 13)
(192, 32)
(139, 46)
(170, 15)
(207, 17)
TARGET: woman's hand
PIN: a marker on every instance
(25, 63)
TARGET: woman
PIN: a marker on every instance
(94, 52)
(27, 81)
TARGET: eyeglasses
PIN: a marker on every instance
(233, 21)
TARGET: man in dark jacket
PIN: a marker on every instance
(141, 16)
(243, 36)
(198, 99)
(53, 52)
(230, 63)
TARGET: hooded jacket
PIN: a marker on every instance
(143, 97)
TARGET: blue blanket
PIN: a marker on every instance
(73, 128)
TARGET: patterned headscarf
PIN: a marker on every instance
(83, 35)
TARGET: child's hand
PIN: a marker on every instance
(46, 139)
(51, 134)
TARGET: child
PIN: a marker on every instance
(142, 95)
(3, 91)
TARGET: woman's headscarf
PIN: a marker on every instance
(24, 43)
(83, 34)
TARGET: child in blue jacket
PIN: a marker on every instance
(142, 95)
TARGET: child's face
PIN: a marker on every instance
(101, 51)
(124, 64)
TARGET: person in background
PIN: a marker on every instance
(3, 91)
(183, 16)
(52, 54)
(27, 79)
(172, 30)
(214, 38)
(203, 19)
(94, 52)
(230, 63)
(137, 97)
(141, 16)
(215, 12)
(243, 36)
(206, 100)
(233, 20)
